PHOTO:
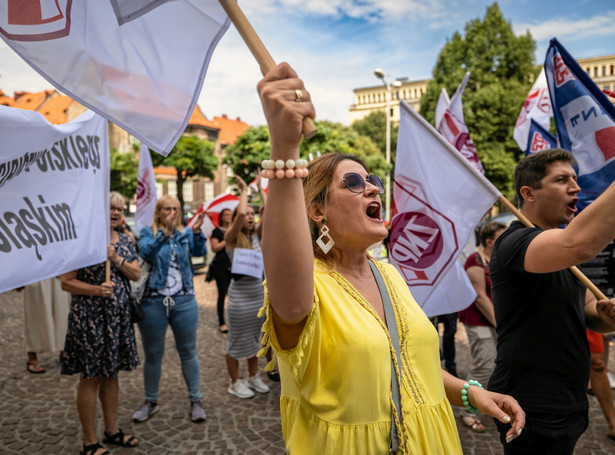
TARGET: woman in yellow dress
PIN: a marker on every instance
(325, 316)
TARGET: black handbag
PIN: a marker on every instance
(136, 311)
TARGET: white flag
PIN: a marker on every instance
(450, 122)
(54, 195)
(537, 106)
(139, 63)
(146, 191)
(439, 198)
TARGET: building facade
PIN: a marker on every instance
(370, 99)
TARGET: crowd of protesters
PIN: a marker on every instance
(530, 314)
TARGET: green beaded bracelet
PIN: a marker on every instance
(464, 394)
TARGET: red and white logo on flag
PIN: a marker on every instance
(539, 143)
(537, 99)
(35, 20)
(456, 132)
(562, 73)
(423, 239)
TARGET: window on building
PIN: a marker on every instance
(604, 71)
(606, 87)
(595, 71)
(415, 93)
(612, 69)
(208, 188)
(187, 189)
(172, 188)
(159, 190)
(587, 70)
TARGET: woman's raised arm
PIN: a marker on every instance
(287, 245)
(231, 235)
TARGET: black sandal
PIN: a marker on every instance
(118, 439)
(92, 448)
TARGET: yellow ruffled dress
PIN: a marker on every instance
(336, 382)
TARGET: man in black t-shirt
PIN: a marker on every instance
(541, 309)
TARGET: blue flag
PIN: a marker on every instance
(539, 138)
(585, 122)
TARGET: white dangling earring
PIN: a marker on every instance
(325, 241)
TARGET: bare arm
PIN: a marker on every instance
(231, 235)
(482, 302)
(287, 244)
(263, 195)
(217, 245)
(130, 269)
(502, 407)
(599, 315)
(70, 283)
(585, 237)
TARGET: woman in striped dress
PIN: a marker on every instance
(245, 298)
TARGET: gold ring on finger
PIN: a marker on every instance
(299, 95)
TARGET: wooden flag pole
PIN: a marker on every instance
(258, 50)
(574, 269)
(107, 271)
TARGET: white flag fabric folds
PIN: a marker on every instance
(146, 191)
(139, 63)
(537, 107)
(439, 198)
(54, 195)
(450, 122)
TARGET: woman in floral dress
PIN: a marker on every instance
(100, 340)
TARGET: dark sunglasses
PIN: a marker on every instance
(356, 183)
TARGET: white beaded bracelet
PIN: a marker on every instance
(280, 169)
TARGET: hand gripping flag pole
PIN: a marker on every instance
(574, 269)
(258, 50)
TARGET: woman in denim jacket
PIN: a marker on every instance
(169, 300)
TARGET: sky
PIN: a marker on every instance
(335, 45)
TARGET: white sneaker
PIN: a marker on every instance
(239, 389)
(611, 379)
(256, 383)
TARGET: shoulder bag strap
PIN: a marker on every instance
(392, 326)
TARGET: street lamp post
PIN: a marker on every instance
(387, 84)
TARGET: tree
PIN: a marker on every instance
(502, 72)
(374, 127)
(246, 153)
(252, 147)
(191, 157)
(124, 169)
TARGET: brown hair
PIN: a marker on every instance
(242, 240)
(533, 168)
(159, 203)
(316, 187)
(488, 231)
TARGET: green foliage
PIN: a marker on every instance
(124, 169)
(502, 71)
(374, 127)
(245, 155)
(191, 157)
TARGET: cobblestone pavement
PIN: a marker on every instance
(38, 414)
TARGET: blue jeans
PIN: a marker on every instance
(183, 318)
(546, 434)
